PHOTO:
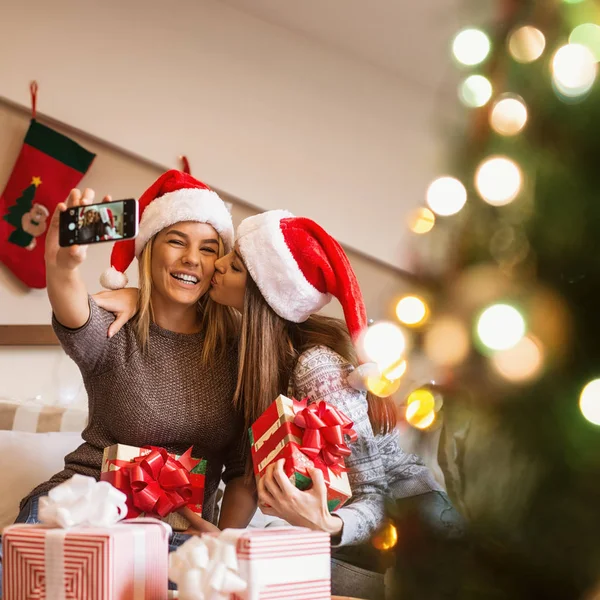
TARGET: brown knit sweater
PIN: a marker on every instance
(164, 397)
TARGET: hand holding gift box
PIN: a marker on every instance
(287, 562)
(82, 551)
(156, 482)
(304, 435)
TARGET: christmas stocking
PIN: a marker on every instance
(48, 167)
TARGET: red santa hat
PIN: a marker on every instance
(298, 267)
(174, 197)
(107, 216)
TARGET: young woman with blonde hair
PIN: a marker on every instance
(167, 378)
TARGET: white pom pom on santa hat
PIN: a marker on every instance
(174, 197)
(112, 279)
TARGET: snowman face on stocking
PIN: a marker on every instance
(35, 221)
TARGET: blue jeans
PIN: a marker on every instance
(29, 514)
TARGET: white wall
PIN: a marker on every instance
(266, 115)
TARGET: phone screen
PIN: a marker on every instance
(106, 222)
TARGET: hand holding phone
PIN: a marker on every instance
(94, 223)
(66, 258)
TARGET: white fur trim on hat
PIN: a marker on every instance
(112, 279)
(275, 270)
(189, 204)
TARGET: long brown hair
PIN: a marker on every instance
(219, 324)
(269, 348)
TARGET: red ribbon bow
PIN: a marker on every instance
(323, 439)
(155, 483)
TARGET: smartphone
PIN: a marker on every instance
(93, 223)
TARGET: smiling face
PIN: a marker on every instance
(229, 281)
(183, 261)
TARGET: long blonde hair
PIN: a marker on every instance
(269, 348)
(219, 323)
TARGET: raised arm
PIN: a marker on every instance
(66, 289)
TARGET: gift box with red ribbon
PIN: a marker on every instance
(305, 435)
(156, 482)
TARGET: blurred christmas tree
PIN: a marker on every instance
(515, 318)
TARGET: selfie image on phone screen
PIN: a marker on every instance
(106, 222)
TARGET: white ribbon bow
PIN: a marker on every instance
(82, 500)
(206, 568)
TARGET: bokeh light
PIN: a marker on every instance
(387, 538)
(383, 343)
(498, 180)
(420, 408)
(500, 327)
(509, 115)
(587, 34)
(574, 70)
(446, 196)
(589, 402)
(447, 342)
(475, 91)
(412, 310)
(395, 371)
(421, 221)
(382, 386)
(388, 381)
(471, 47)
(526, 44)
(521, 363)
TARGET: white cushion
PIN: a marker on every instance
(28, 460)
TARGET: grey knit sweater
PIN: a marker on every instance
(165, 397)
(378, 467)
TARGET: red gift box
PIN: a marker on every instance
(305, 436)
(156, 482)
(124, 562)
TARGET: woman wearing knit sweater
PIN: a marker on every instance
(282, 271)
(168, 377)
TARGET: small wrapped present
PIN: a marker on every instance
(156, 482)
(305, 435)
(254, 564)
(81, 551)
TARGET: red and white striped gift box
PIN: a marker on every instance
(291, 563)
(128, 561)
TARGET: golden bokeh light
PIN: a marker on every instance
(396, 370)
(421, 221)
(383, 343)
(447, 342)
(500, 327)
(420, 408)
(509, 115)
(526, 44)
(498, 180)
(574, 70)
(387, 382)
(589, 402)
(412, 311)
(446, 196)
(382, 386)
(521, 363)
(386, 538)
(471, 47)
